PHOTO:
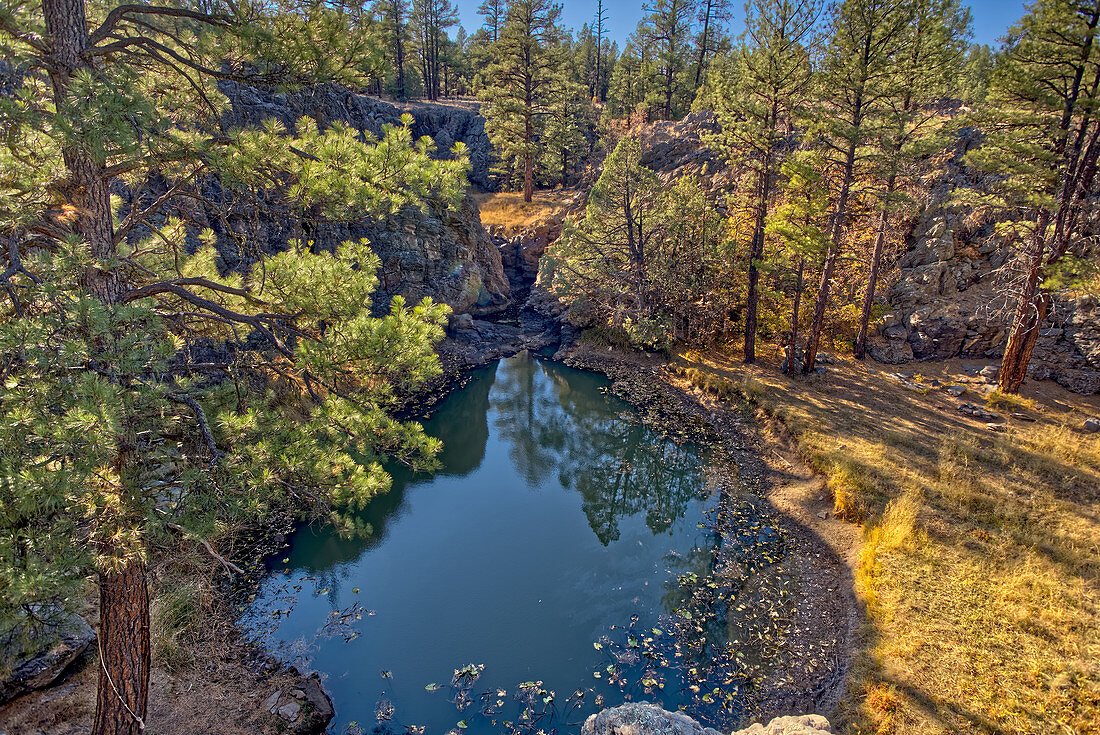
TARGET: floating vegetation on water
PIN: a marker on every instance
(462, 682)
(383, 710)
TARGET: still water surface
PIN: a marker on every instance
(558, 546)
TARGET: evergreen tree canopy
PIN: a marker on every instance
(148, 389)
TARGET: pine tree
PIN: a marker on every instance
(928, 63)
(395, 27)
(1043, 142)
(713, 16)
(798, 224)
(520, 85)
(973, 83)
(599, 28)
(756, 107)
(857, 75)
(569, 123)
(431, 19)
(666, 29)
(606, 258)
(118, 430)
(494, 12)
(633, 82)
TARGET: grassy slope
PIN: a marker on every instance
(507, 209)
(981, 558)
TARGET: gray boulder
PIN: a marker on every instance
(643, 718)
(1091, 425)
(43, 656)
(890, 351)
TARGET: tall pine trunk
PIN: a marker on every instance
(756, 252)
(124, 599)
(800, 284)
(1031, 309)
(124, 650)
(756, 247)
(704, 42)
(860, 348)
(831, 255)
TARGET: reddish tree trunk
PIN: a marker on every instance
(869, 292)
(124, 651)
(1031, 310)
(124, 598)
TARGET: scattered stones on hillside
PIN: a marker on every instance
(45, 654)
(290, 710)
(643, 718)
(956, 390)
(990, 371)
(907, 382)
(977, 412)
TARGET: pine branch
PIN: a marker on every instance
(260, 324)
(119, 14)
(204, 425)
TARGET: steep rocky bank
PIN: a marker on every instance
(438, 250)
(947, 294)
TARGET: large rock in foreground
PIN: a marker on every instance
(38, 662)
(643, 718)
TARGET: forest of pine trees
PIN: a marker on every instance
(830, 119)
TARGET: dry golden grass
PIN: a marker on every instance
(507, 209)
(980, 566)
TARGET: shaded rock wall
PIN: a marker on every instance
(446, 124)
(438, 251)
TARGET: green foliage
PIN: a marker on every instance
(645, 257)
(523, 85)
(146, 387)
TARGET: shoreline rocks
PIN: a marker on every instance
(41, 660)
(643, 718)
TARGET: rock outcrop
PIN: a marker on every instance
(438, 250)
(38, 661)
(950, 298)
(643, 718)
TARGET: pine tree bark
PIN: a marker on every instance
(860, 348)
(124, 599)
(1031, 310)
(831, 255)
(800, 284)
(756, 252)
(124, 650)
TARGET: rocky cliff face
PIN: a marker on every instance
(442, 252)
(446, 124)
(951, 297)
(948, 297)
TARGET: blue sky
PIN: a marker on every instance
(991, 17)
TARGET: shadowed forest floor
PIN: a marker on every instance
(980, 564)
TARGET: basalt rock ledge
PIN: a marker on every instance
(643, 718)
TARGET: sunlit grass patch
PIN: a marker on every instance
(981, 558)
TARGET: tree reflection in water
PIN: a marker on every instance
(619, 466)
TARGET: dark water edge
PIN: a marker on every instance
(580, 557)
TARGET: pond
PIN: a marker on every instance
(564, 557)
